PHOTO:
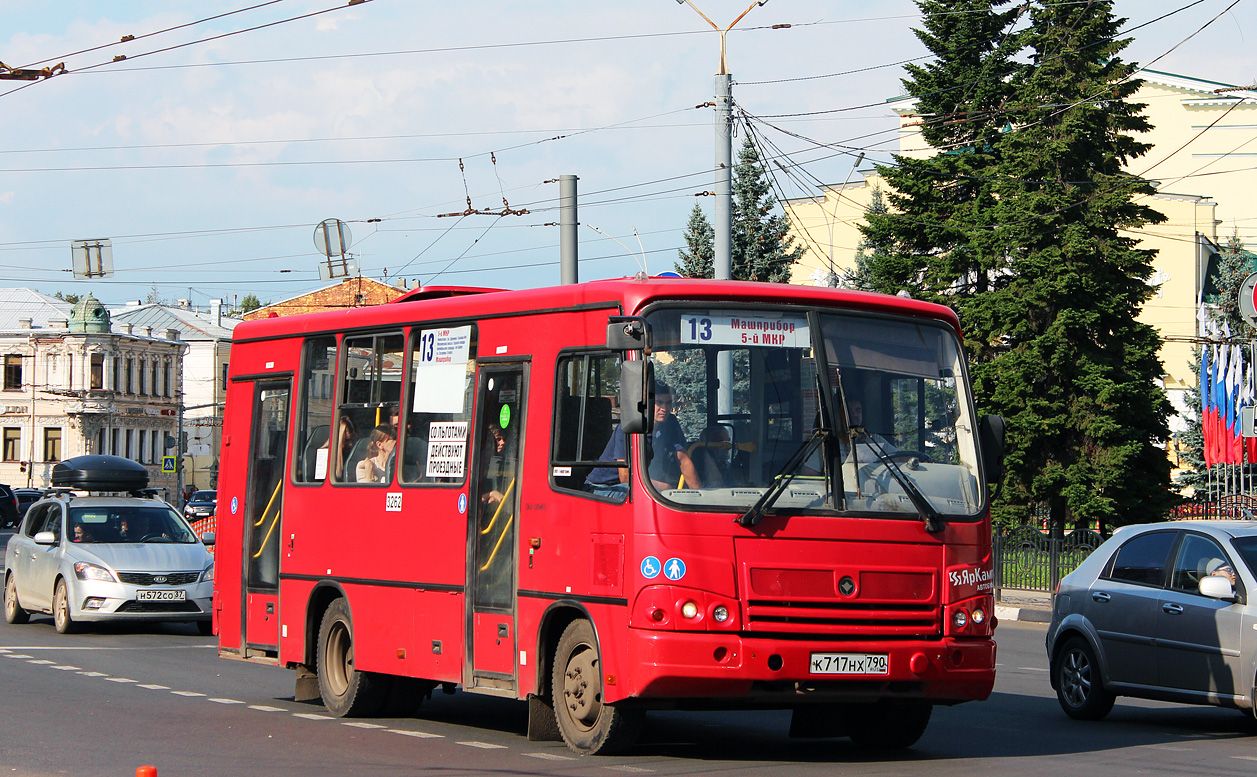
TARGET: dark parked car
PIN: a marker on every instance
(25, 498)
(200, 505)
(8, 507)
(1159, 611)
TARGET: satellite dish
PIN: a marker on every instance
(92, 258)
(332, 239)
(1246, 300)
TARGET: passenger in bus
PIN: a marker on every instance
(380, 445)
(345, 436)
(666, 451)
(499, 468)
(855, 415)
(712, 456)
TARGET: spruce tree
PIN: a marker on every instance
(763, 248)
(873, 251)
(1074, 373)
(697, 259)
(938, 236)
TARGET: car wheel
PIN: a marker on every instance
(1079, 688)
(885, 725)
(589, 725)
(13, 612)
(61, 617)
(346, 691)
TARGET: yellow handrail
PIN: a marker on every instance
(501, 504)
(494, 553)
(262, 517)
(269, 532)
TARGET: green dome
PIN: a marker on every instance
(89, 316)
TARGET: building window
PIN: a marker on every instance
(69, 370)
(129, 369)
(143, 457)
(12, 372)
(98, 371)
(117, 373)
(130, 454)
(141, 377)
(115, 444)
(152, 383)
(12, 443)
(100, 442)
(224, 383)
(52, 443)
(166, 381)
(157, 439)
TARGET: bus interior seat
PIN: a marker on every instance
(318, 439)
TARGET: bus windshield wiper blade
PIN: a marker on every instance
(933, 520)
(782, 479)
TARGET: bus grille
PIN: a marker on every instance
(844, 619)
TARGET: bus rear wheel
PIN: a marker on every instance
(588, 724)
(346, 691)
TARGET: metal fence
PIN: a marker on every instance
(1029, 559)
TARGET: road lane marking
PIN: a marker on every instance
(483, 745)
(40, 661)
(121, 680)
(155, 687)
(551, 756)
(357, 724)
(633, 769)
(1245, 757)
(1171, 748)
(417, 734)
(225, 701)
(92, 674)
(187, 693)
(264, 708)
(1032, 669)
(311, 716)
(17, 655)
(66, 667)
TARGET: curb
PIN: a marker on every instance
(1031, 614)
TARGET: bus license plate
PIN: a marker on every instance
(155, 595)
(850, 663)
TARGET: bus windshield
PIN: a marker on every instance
(741, 391)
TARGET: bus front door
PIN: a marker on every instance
(268, 447)
(494, 526)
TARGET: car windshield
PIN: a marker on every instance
(744, 390)
(1247, 547)
(127, 523)
(204, 496)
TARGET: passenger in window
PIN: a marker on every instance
(374, 468)
(499, 471)
(345, 436)
(712, 456)
(855, 415)
(1219, 568)
(667, 454)
(81, 534)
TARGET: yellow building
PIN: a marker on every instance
(1203, 162)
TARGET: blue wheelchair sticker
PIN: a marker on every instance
(235, 505)
(674, 569)
(650, 567)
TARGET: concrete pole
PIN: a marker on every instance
(568, 254)
(723, 225)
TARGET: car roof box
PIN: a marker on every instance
(100, 473)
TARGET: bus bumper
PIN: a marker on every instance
(698, 666)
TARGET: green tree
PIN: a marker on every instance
(874, 249)
(1071, 368)
(73, 299)
(154, 296)
(697, 259)
(762, 247)
(1234, 265)
(937, 238)
(249, 303)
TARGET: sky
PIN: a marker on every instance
(209, 147)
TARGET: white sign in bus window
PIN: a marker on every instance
(447, 449)
(748, 329)
(441, 369)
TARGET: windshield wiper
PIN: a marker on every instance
(933, 520)
(782, 479)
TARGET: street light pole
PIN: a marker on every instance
(722, 264)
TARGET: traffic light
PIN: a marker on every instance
(23, 467)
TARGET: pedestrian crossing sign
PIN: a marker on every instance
(167, 464)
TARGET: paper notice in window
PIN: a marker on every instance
(441, 369)
(447, 449)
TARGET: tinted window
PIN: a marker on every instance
(586, 392)
(1198, 557)
(1143, 559)
(1247, 547)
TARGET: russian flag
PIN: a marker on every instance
(1206, 406)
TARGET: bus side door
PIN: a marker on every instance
(263, 511)
(494, 526)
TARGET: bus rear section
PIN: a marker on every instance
(614, 497)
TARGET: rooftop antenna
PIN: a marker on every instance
(641, 264)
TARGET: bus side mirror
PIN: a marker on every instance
(991, 439)
(628, 333)
(637, 396)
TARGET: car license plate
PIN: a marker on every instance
(850, 663)
(156, 595)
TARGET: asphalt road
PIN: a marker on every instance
(109, 700)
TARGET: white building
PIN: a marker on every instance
(208, 337)
(73, 386)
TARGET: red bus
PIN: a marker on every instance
(610, 497)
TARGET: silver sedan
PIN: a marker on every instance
(107, 558)
(1159, 611)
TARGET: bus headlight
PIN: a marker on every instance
(960, 619)
(689, 610)
(720, 614)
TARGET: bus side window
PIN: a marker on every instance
(314, 457)
(438, 406)
(585, 390)
(370, 398)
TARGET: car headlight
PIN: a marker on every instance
(208, 574)
(86, 571)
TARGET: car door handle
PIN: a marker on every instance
(1171, 608)
(1100, 596)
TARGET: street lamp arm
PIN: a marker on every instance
(724, 68)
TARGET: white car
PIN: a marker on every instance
(88, 558)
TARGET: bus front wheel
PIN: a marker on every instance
(885, 725)
(346, 691)
(588, 724)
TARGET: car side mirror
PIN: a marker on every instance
(1217, 587)
(207, 538)
(45, 538)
